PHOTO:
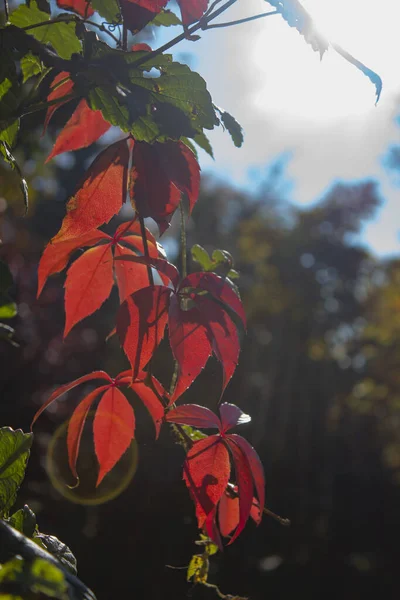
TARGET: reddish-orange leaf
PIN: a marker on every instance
(141, 322)
(69, 386)
(131, 276)
(81, 7)
(190, 344)
(88, 284)
(76, 425)
(131, 234)
(244, 481)
(223, 332)
(83, 128)
(113, 430)
(254, 462)
(100, 195)
(61, 86)
(206, 474)
(56, 255)
(228, 514)
(151, 400)
(192, 10)
(182, 168)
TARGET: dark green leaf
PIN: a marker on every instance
(11, 160)
(59, 550)
(18, 577)
(202, 140)
(7, 334)
(232, 126)
(61, 36)
(24, 521)
(14, 453)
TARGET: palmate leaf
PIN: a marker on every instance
(206, 470)
(61, 36)
(114, 422)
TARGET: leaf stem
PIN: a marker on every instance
(146, 249)
(6, 10)
(241, 21)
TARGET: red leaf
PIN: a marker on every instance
(141, 322)
(137, 13)
(76, 425)
(61, 86)
(255, 465)
(88, 284)
(193, 415)
(83, 128)
(217, 287)
(141, 48)
(163, 266)
(113, 430)
(228, 514)
(100, 195)
(190, 344)
(81, 7)
(206, 474)
(224, 336)
(160, 172)
(69, 386)
(56, 255)
(151, 400)
(231, 415)
(131, 276)
(192, 10)
(244, 481)
(132, 235)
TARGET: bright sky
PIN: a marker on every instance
(286, 99)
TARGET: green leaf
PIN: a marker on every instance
(9, 135)
(194, 434)
(7, 334)
(108, 9)
(6, 279)
(32, 578)
(30, 66)
(14, 454)
(232, 126)
(8, 308)
(24, 521)
(59, 550)
(5, 150)
(60, 35)
(200, 255)
(166, 18)
(202, 140)
(48, 579)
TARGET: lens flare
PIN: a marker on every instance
(114, 483)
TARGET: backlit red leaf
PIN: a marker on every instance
(81, 7)
(244, 481)
(100, 195)
(141, 322)
(151, 400)
(224, 336)
(130, 233)
(163, 266)
(206, 474)
(63, 389)
(76, 425)
(190, 344)
(255, 465)
(88, 284)
(83, 128)
(62, 85)
(113, 430)
(217, 287)
(56, 255)
(131, 276)
(193, 415)
(192, 10)
(228, 514)
(231, 415)
(137, 13)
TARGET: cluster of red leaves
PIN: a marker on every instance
(137, 13)
(207, 471)
(114, 421)
(201, 311)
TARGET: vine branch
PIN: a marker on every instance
(241, 21)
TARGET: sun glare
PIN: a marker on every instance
(293, 80)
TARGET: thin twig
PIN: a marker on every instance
(183, 241)
(71, 19)
(6, 10)
(241, 21)
(146, 249)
